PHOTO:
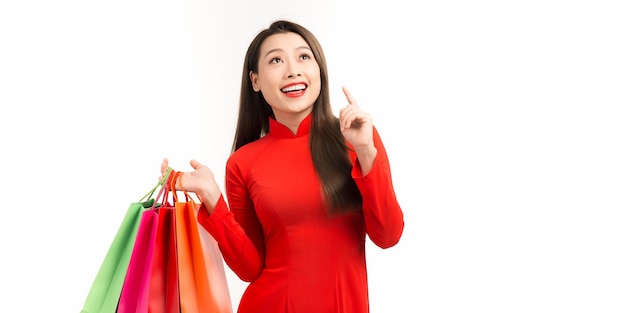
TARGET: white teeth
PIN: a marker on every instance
(294, 88)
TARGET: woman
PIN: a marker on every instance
(304, 187)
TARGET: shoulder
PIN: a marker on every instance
(247, 154)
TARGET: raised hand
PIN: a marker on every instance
(199, 181)
(356, 125)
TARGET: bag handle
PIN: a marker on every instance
(163, 194)
(148, 199)
(175, 180)
(160, 183)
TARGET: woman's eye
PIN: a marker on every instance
(275, 60)
(305, 57)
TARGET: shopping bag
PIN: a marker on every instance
(136, 288)
(195, 283)
(104, 294)
(135, 294)
(215, 269)
(164, 292)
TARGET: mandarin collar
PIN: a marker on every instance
(281, 131)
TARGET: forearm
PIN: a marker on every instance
(236, 247)
(384, 220)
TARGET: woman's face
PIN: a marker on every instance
(288, 76)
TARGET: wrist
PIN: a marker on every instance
(209, 195)
(366, 152)
(366, 156)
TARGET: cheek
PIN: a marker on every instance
(268, 79)
(314, 76)
(313, 72)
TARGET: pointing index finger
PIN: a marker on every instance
(346, 92)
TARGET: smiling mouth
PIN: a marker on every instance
(294, 88)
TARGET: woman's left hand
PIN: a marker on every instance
(356, 125)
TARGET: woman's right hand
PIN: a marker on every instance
(200, 181)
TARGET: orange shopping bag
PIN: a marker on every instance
(202, 282)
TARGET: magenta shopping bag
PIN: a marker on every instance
(136, 288)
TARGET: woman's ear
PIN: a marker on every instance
(254, 78)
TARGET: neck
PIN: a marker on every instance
(292, 120)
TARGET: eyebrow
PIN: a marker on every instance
(278, 49)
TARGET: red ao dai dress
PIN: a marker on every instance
(275, 232)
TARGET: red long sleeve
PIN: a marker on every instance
(384, 220)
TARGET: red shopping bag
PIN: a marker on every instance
(164, 291)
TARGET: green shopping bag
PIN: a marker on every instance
(107, 286)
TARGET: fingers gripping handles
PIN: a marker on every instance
(177, 180)
(169, 184)
(148, 200)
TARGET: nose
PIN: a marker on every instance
(293, 70)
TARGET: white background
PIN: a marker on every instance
(504, 122)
